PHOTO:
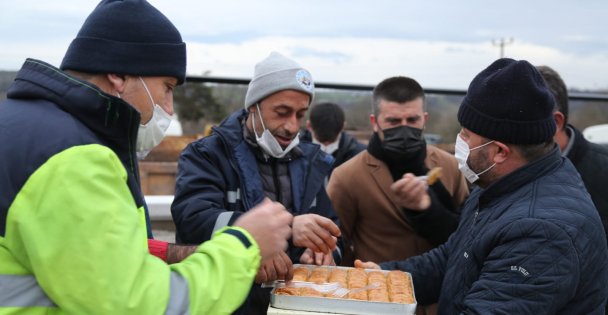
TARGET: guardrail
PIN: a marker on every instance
(159, 207)
(575, 96)
(155, 178)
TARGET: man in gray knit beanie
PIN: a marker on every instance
(255, 154)
(276, 73)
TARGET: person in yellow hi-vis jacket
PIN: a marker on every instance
(73, 223)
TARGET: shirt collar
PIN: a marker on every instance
(570, 144)
(522, 176)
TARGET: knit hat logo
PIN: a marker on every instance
(305, 80)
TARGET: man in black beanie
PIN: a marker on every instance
(73, 223)
(530, 240)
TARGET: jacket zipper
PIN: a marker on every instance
(234, 168)
(474, 219)
(275, 179)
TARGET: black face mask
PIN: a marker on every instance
(403, 143)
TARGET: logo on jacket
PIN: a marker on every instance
(522, 270)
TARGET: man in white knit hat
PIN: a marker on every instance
(254, 154)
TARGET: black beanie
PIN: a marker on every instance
(509, 102)
(127, 37)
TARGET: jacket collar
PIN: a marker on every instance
(231, 128)
(579, 146)
(381, 175)
(307, 171)
(110, 117)
(522, 176)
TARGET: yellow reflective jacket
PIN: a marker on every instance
(73, 239)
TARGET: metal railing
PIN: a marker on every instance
(575, 96)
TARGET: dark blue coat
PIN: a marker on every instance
(531, 243)
(48, 111)
(591, 162)
(218, 180)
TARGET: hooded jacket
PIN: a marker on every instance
(72, 218)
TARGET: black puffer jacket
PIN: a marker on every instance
(531, 243)
(591, 162)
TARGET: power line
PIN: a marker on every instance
(502, 43)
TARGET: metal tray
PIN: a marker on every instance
(344, 306)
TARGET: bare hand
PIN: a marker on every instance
(411, 193)
(315, 232)
(320, 259)
(279, 267)
(366, 265)
(269, 224)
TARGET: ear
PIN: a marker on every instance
(425, 117)
(308, 125)
(254, 108)
(373, 122)
(117, 81)
(248, 121)
(560, 120)
(503, 152)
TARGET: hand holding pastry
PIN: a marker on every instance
(411, 193)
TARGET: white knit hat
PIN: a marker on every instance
(277, 73)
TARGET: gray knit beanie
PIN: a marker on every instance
(277, 73)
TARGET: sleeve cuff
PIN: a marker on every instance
(241, 234)
(158, 248)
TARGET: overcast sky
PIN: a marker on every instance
(442, 44)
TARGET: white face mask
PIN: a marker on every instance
(153, 132)
(462, 155)
(267, 141)
(330, 148)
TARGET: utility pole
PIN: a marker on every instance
(502, 43)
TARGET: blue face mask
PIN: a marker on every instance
(462, 152)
